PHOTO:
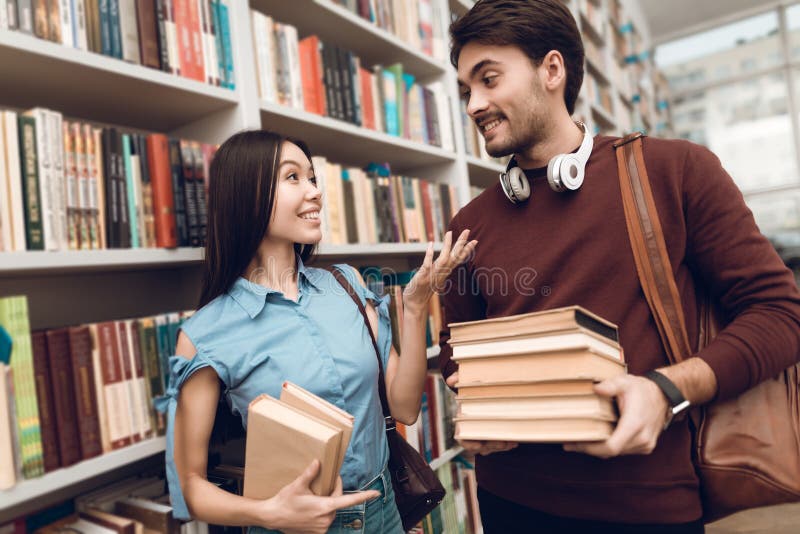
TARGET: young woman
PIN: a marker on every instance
(266, 317)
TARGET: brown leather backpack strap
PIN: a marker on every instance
(650, 249)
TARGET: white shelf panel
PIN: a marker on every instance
(349, 144)
(12, 263)
(340, 26)
(597, 71)
(448, 455)
(603, 116)
(91, 86)
(325, 251)
(483, 173)
(43, 262)
(28, 490)
(591, 31)
(433, 352)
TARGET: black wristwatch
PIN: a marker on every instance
(677, 402)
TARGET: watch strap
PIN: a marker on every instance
(674, 396)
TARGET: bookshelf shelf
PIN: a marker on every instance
(603, 116)
(44, 262)
(381, 249)
(349, 144)
(483, 173)
(448, 455)
(332, 22)
(589, 29)
(91, 86)
(29, 490)
(433, 352)
(597, 71)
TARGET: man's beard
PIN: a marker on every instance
(531, 130)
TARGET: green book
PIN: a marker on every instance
(31, 196)
(14, 318)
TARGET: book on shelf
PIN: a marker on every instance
(324, 79)
(282, 441)
(91, 387)
(373, 206)
(189, 38)
(417, 23)
(69, 185)
(14, 318)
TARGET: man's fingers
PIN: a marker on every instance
(352, 499)
(452, 380)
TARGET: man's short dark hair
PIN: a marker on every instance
(535, 26)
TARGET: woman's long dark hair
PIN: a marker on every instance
(241, 197)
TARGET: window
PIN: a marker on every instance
(747, 122)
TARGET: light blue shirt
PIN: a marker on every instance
(255, 339)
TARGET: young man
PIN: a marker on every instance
(520, 68)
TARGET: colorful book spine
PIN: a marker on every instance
(14, 318)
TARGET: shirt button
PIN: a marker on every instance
(355, 524)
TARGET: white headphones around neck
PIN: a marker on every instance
(564, 172)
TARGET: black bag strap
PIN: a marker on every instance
(381, 377)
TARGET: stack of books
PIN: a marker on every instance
(529, 378)
(284, 436)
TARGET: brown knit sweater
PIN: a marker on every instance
(572, 248)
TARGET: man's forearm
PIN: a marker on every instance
(694, 378)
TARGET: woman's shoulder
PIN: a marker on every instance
(212, 320)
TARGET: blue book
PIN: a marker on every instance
(105, 27)
(426, 429)
(133, 216)
(226, 43)
(116, 32)
(390, 107)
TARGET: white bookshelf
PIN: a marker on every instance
(91, 86)
(347, 143)
(483, 173)
(334, 23)
(87, 261)
(29, 491)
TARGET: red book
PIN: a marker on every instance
(163, 198)
(367, 99)
(80, 348)
(183, 29)
(126, 362)
(427, 209)
(69, 446)
(196, 33)
(311, 75)
(114, 387)
(44, 398)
